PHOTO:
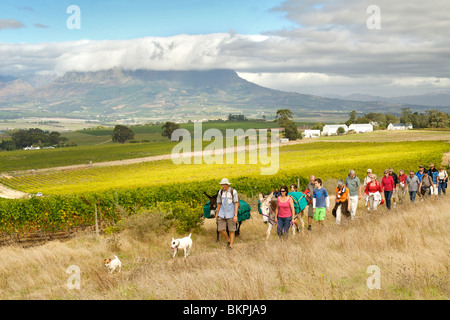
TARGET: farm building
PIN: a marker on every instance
(399, 126)
(331, 129)
(361, 127)
(311, 133)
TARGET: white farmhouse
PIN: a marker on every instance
(361, 127)
(311, 133)
(331, 129)
(399, 126)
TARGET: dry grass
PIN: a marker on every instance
(410, 246)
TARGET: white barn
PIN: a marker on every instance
(331, 129)
(361, 127)
(399, 126)
(311, 133)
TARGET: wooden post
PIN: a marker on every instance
(96, 222)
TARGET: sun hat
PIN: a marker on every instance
(225, 181)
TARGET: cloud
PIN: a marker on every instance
(25, 8)
(10, 24)
(330, 49)
(41, 26)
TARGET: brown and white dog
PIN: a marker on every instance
(183, 243)
(113, 264)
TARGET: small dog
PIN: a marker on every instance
(113, 264)
(183, 243)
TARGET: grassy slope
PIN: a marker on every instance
(409, 245)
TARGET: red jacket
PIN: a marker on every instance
(388, 183)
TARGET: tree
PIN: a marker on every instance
(283, 115)
(168, 128)
(340, 131)
(437, 119)
(291, 130)
(352, 118)
(122, 134)
(317, 126)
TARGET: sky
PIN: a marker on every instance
(320, 47)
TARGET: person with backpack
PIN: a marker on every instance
(425, 185)
(342, 205)
(442, 180)
(433, 173)
(227, 208)
(373, 192)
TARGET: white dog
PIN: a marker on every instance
(113, 264)
(183, 243)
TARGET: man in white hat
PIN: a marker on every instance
(227, 208)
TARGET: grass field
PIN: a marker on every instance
(409, 245)
(328, 160)
(392, 136)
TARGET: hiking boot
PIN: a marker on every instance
(309, 228)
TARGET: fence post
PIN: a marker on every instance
(96, 222)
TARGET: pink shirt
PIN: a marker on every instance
(284, 208)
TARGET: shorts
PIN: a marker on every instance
(310, 211)
(319, 215)
(222, 224)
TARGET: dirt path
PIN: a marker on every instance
(8, 193)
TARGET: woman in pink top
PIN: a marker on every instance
(388, 186)
(284, 213)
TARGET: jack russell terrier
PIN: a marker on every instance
(183, 243)
(113, 264)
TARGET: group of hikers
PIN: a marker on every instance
(393, 188)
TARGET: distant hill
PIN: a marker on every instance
(175, 95)
(433, 99)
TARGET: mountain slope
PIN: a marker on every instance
(170, 94)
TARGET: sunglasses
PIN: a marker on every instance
(282, 190)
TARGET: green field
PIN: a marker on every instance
(327, 160)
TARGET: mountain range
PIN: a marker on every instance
(176, 95)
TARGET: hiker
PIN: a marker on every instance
(227, 208)
(413, 185)
(401, 187)
(321, 203)
(310, 188)
(300, 203)
(367, 179)
(342, 205)
(387, 183)
(419, 175)
(442, 180)
(425, 185)
(433, 173)
(373, 193)
(394, 191)
(353, 184)
(284, 213)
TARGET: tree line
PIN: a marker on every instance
(30, 137)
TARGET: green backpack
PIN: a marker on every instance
(243, 211)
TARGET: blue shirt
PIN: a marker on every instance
(320, 195)
(227, 202)
(419, 175)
